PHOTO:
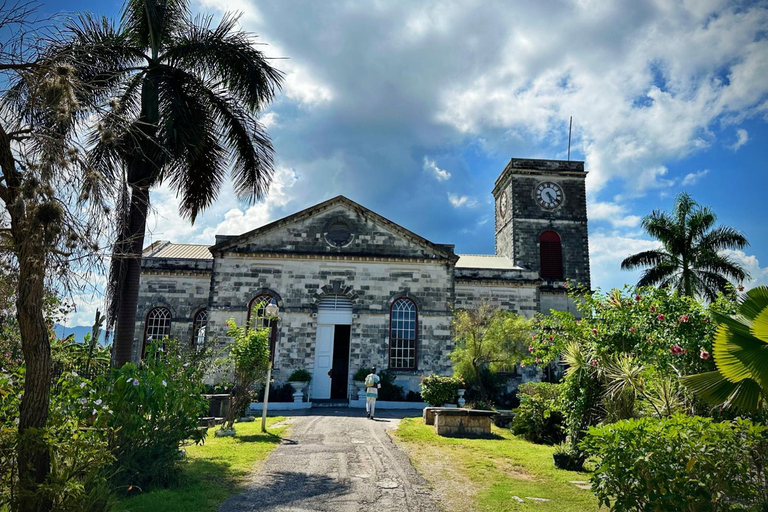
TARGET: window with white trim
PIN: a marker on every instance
(403, 335)
(199, 324)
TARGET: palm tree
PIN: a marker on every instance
(187, 97)
(740, 351)
(691, 258)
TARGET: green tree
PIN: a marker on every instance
(249, 354)
(740, 352)
(690, 259)
(187, 96)
(487, 339)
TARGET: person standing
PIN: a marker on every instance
(372, 385)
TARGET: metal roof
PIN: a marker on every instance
(488, 261)
(163, 249)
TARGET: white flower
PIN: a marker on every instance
(165, 384)
(93, 412)
(135, 382)
(186, 364)
(82, 384)
(98, 402)
(82, 401)
(74, 374)
(130, 379)
(16, 421)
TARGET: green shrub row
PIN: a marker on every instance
(682, 463)
(437, 390)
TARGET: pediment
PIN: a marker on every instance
(338, 226)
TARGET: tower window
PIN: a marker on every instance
(551, 252)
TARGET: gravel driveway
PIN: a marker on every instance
(335, 462)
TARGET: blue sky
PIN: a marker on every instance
(413, 109)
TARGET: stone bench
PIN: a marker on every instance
(428, 413)
(463, 422)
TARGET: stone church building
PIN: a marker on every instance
(355, 289)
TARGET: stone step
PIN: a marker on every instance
(330, 403)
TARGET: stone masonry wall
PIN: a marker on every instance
(183, 292)
(523, 300)
(372, 286)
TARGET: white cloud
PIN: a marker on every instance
(693, 177)
(612, 212)
(606, 252)
(743, 138)
(269, 120)
(461, 201)
(758, 275)
(431, 166)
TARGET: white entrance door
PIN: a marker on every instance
(332, 311)
(321, 381)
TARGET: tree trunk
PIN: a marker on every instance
(34, 459)
(126, 315)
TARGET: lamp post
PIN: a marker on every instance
(271, 311)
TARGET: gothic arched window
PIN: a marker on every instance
(199, 323)
(403, 333)
(157, 326)
(551, 252)
(258, 320)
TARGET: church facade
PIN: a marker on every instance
(354, 289)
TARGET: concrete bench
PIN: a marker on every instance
(429, 413)
(463, 422)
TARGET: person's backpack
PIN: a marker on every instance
(370, 380)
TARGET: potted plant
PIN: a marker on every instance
(359, 377)
(299, 380)
(565, 457)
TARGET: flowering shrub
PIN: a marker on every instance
(437, 390)
(679, 463)
(539, 418)
(155, 408)
(79, 455)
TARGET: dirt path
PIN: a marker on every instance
(334, 462)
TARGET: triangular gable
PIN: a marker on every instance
(320, 229)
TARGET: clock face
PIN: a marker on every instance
(549, 195)
(503, 204)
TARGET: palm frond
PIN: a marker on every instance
(714, 389)
(227, 55)
(646, 258)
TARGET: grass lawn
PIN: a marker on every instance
(484, 474)
(213, 472)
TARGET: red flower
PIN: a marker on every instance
(660, 317)
(632, 329)
(637, 297)
(704, 354)
(683, 319)
(530, 348)
(677, 350)
(593, 362)
(594, 331)
(551, 338)
(653, 309)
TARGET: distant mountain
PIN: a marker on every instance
(62, 331)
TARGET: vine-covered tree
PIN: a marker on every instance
(187, 96)
(691, 258)
(41, 170)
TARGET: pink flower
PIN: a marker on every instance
(533, 336)
(537, 360)
(660, 317)
(653, 309)
(565, 284)
(683, 319)
(677, 350)
(637, 297)
(530, 349)
(632, 329)
(704, 354)
(594, 331)
(593, 362)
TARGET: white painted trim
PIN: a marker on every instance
(279, 406)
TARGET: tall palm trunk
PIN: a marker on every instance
(131, 264)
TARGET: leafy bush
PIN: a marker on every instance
(413, 397)
(249, 355)
(437, 390)
(300, 375)
(539, 418)
(679, 463)
(361, 374)
(389, 390)
(155, 407)
(79, 455)
(277, 393)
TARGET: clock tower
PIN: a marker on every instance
(541, 223)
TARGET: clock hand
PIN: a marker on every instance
(549, 195)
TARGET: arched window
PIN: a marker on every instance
(158, 325)
(551, 253)
(199, 323)
(257, 319)
(403, 335)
